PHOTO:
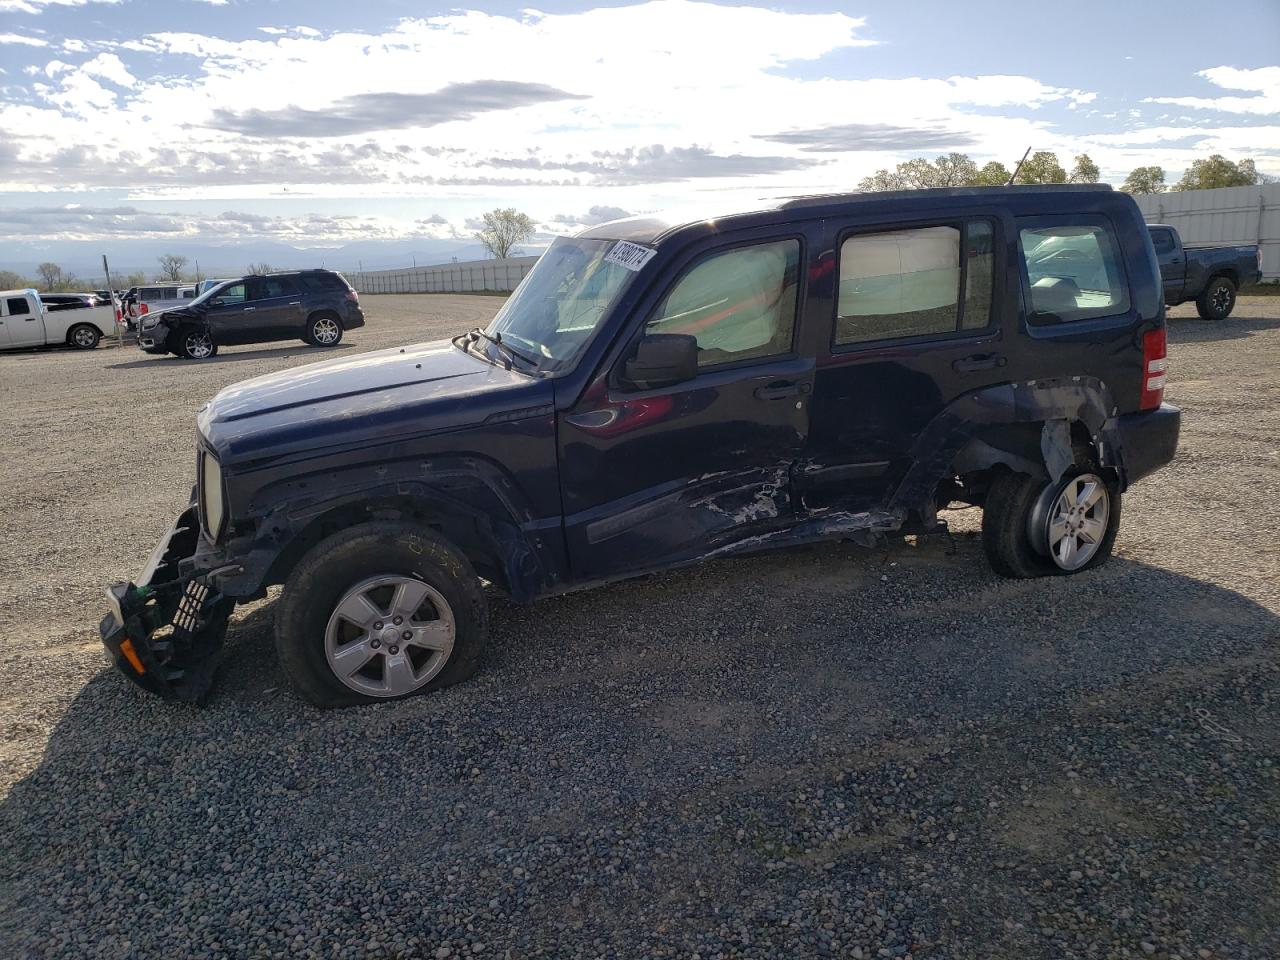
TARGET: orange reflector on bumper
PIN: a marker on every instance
(131, 655)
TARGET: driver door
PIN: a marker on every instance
(226, 315)
(652, 477)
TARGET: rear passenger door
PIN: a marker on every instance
(277, 308)
(913, 324)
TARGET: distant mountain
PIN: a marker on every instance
(84, 257)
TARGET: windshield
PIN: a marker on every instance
(557, 307)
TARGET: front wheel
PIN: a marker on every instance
(1034, 529)
(324, 331)
(83, 336)
(195, 345)
(381, 611)
(1217, 300)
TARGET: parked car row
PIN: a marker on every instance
(315, 306)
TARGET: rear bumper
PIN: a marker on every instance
(164, 631)
(1148, 440)
(354, 319)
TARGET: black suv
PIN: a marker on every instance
(656, 394)
(315, 306)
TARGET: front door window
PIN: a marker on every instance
(740, 305)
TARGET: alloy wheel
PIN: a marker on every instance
(389, 636)
(199, 346)
(326, 331)
(85, 338)
(1077, 522)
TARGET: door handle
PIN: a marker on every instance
(777, 391)
(247, 309)
(980, 361)
(295, 303)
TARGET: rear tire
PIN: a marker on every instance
(1019, 508)
(1217, 299)
(84, 336)
(324, 330)
(375, 563)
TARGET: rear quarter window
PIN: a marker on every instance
(1074, 269)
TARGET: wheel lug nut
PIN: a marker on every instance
(406, 635)
(375, 644)
(398, 620)
(393, 649)
(377, 625)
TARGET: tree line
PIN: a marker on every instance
(1043, 166)
(51, 278)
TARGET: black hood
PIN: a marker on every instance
(369, 398)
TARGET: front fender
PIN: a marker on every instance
(469, 499)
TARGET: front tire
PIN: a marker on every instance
(1217, 300)
(83, 336)
(324, 330)
(1034, 529)
(195, 345)
(381, 611)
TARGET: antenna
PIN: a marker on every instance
(1014, 176)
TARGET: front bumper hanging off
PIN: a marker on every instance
(164, 631)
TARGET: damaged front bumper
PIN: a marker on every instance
(164, 631)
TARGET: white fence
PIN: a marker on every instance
(1227, 215)
(474, 276)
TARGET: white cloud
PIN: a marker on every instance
(107, 66)
(35, 6)
(621, 107)
(1263, 83)
(19, 39)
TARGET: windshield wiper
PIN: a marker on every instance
(504, 347)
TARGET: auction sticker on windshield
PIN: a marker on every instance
(629, 255)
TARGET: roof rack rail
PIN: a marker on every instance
(824, 198)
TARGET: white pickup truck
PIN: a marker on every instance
(26, 322)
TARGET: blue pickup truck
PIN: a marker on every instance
(1209, 275)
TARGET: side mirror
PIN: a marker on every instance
(662, 360)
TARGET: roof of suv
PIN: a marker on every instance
(654, 229)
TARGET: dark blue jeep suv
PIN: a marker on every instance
(656, 394)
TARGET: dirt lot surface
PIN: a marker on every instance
(832, 752)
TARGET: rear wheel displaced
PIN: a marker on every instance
(1031, 528)
(381, 611)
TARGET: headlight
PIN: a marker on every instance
(212, 508)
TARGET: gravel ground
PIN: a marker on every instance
(830, 752)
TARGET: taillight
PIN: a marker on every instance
(1155, 366)
(353, 296)
(143, 309)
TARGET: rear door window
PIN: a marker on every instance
(1163, 241)
(921, 282)
(1074, 270)
(279, 287)
(17, 306)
